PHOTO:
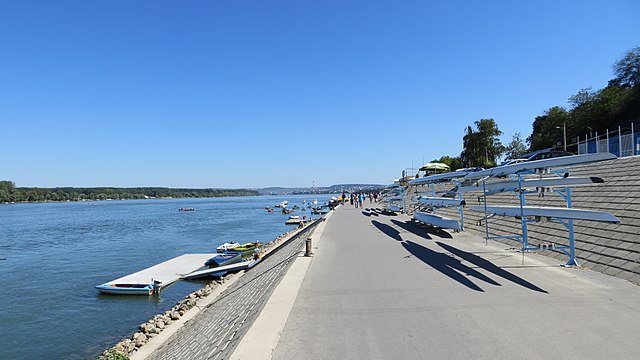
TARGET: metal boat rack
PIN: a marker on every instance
(521, 193)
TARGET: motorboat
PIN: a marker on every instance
(226, 246)
(293, 220)
(247, 249)
(130, 289)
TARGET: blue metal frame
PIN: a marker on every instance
(565, 193)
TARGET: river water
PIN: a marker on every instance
(53, 254)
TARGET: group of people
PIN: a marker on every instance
(358, 199)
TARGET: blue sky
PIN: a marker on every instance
(282, 93)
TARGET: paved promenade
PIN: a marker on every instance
(379, 287)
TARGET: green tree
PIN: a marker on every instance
(482, 147)
(627, 69)
(548, 128)
(515, 148)
(454, 163)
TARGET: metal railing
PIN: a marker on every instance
(621, 142)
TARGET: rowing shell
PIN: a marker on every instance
(437, 220)
(439, 201)
(540, 164)
(548, 212)
(497, 187)
(438, 178)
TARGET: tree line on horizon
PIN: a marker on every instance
(590, 112)
(9, 193)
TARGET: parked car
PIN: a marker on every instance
(546, 154)
(538, 155)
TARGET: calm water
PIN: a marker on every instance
(54, 254)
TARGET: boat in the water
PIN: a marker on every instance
(226, 258)
(227, 246)
(293, 220)
(130, 289)
(186, 209)
(283, 204)
(320, 210)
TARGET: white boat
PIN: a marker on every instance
(548, 212)
(497, 187)
(393, 208)
(540, 164)
(438, 201)
(293, 220)
(444, 177)
(437, 220)
(226, 246)
(283, 204)
(130, 289)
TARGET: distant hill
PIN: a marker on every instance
(333, 189)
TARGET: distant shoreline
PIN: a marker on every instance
(16, 195)
(101, 200)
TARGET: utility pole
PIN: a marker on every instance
(564, 131)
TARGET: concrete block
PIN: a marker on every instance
(629, 265)
(625, 275)
(599, 267)
(635, 279)
(622, 254)
(612, 271)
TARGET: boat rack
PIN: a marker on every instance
(564, 190)
(431, 200)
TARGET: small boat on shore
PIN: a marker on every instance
(227, 246)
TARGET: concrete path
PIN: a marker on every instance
(379, 287)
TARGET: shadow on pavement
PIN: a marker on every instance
(420, 230)
(448, 265)
(489, 266)
(388, 213)
(387, 230)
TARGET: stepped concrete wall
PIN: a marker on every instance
(613, 249)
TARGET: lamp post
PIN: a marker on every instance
(564, 131)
